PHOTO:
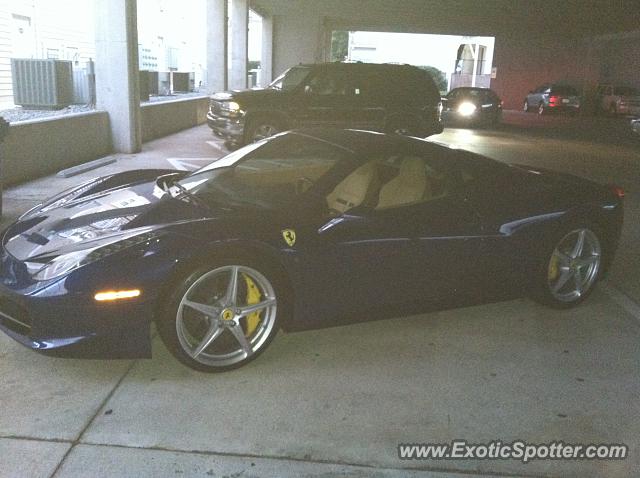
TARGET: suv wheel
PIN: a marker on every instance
(262, 128)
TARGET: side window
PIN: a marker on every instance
(329, 83)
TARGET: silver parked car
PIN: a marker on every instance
(614, 99)
(548, 98)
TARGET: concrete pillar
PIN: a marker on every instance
(266, 62)
(116, 67)
(239, 43)
(217, 45)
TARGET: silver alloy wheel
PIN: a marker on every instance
(541, 108)
(574, 265)
(212, 321)
(526, 106)
(264, 130)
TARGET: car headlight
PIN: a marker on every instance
(231, 107)
(65, 263)
(466, 108)
(58, 266)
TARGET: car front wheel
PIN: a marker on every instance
(261, 129)
(570, 271)
(221, 317)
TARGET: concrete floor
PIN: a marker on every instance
(336, 402)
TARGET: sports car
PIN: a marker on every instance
(306, 229)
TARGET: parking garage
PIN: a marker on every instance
(340, 400)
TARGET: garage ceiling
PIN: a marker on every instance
(558, 18)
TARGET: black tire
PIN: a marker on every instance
(541, 288)
(262, 127)
(167, 321)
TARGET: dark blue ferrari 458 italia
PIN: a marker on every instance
(305, 229)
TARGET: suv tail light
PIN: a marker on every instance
(554, 99)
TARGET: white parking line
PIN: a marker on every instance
(622, 299)
(217, 146)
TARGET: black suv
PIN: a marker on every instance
(379, 97)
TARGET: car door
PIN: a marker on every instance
(402, 250)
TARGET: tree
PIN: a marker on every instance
(339, 45)
(438, 76)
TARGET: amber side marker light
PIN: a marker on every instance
(111, 295)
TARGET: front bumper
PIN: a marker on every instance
(67, 327)
(231, 129)
(452, 116)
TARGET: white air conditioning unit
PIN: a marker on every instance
(42, 84)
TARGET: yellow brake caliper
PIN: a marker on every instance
(553, 268)
(253, 297)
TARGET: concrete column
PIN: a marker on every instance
(239, 43)
(475, 52)
(116, 67)
(217, 45)
(266, 62)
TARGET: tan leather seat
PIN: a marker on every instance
(410, 185)
(353, 189)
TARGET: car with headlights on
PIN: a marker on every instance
(471, 106)
(305, 229)
(376, 97)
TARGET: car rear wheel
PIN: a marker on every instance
(569, 273)
(221, 317)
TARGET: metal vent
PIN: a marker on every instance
(180, 81)
(42, 83)
(84, 85)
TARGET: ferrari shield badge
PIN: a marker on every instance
(289, 236)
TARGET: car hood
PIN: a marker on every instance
(244, 97)
(67, 224)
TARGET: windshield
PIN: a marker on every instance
(291, 78)
(276, 173)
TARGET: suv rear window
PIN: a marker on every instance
(564, 90)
